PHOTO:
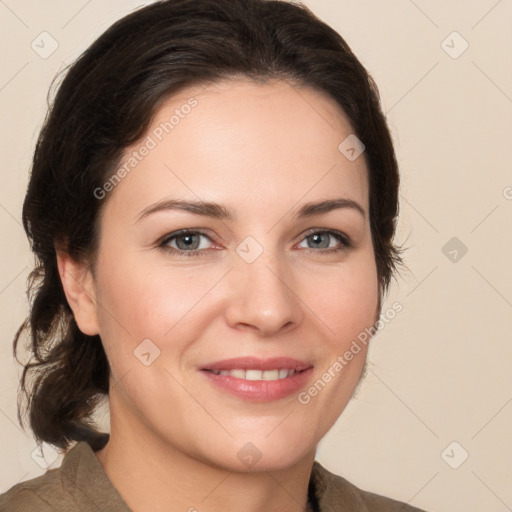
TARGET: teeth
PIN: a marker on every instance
(276, 374)
(270, 375)
(239, 374)
(254, 375)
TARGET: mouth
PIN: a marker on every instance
(259, 380)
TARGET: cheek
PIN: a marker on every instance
(139, 301)
(347, 300)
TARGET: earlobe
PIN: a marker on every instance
(78, 284)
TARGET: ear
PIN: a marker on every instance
(78, 284)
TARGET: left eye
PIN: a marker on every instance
(322, 239)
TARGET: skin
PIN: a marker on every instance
(262, 151)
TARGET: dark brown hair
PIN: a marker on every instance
(106, 103)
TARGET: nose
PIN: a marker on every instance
(262, 297)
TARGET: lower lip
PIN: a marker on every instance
(260, 390)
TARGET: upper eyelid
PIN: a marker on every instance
(183, 232)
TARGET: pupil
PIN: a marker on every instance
(317, 238)
(187, 241)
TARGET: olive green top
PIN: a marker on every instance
(81, 484)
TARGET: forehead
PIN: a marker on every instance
(233, 139)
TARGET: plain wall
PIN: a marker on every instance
(439, 383)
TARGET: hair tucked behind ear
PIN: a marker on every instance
(106, 103)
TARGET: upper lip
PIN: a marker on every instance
(254, 363)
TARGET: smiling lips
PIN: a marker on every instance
(258, 380)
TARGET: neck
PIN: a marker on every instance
(156, 476)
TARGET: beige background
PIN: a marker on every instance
(440, 371)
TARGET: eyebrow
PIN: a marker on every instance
(217, 211)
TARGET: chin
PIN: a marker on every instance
(245, 456)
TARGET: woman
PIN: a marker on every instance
(212, 202)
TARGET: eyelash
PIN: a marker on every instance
(342, 238)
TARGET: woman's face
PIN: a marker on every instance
(205, 309)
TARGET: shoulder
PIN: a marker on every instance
(335, 493)
(80, 483)
(41, 493)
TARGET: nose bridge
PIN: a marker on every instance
(261, 289)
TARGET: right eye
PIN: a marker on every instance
(184, 243)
